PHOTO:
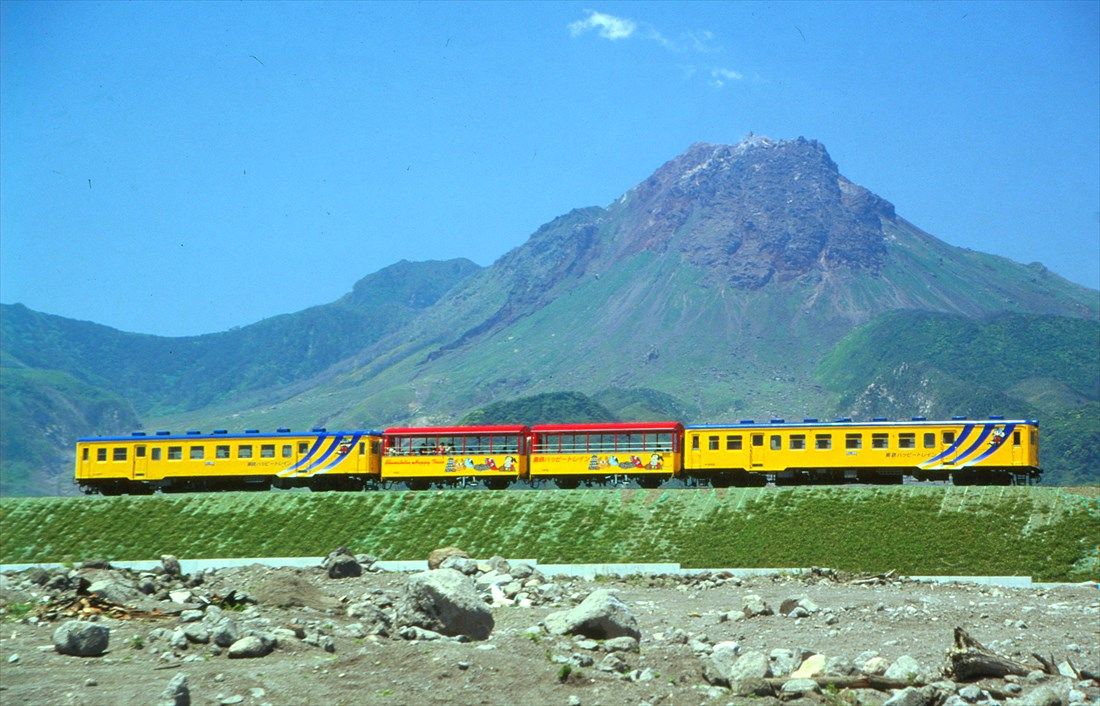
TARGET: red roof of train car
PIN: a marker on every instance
(608, 427)
(451, 431)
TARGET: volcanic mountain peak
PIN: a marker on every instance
(759, 210)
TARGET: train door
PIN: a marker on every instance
(695, 453)
(141, 461)
(756, 450)
(1018, 456)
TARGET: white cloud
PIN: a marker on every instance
(720, 77)
(609, 26)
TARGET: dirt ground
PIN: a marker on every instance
(678, 618)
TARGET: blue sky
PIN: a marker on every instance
(184, 168)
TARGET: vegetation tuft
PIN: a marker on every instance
(1048, 534)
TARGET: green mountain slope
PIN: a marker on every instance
(941, 365)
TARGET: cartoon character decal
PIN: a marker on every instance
(998, 436)
(656, 461)
(509, 465)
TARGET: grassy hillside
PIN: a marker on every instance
(1045, 533)
(1018, 365)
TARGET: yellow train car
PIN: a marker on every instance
(880, 451)
(420, 456)
(646, 452)
(194, 461)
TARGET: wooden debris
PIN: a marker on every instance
(971, 660)
(89, 605)
(873, 580)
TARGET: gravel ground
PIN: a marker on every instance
(337, 644)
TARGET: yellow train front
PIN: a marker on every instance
(140, 463)
(993, 451)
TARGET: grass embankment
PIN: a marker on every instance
(1046, 533)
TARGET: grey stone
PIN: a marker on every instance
(909, 696)
(723, 668)
(971, 693)
(341, 564)
(795, 688)
(612, 663)
(587, 644)
(904, 668)
(190, 616)
(170, 565)
(522, 571)
(783, 661)
(176, 693)
(601, 615)
(113, 590)
(876, 666)
(808, 607)
(621, 644)
(1041, 696)
(753, 605)
(251, 646)
(500, 565)
(225, 632)
(196, 633)
(463, 564)
(839, 667)
(445, 601)
(81, 639)
(178, 639)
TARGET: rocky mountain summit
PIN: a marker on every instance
(499, 632)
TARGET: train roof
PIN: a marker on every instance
(455, 430)
(608, 427)
(847, 422)
(282, 433)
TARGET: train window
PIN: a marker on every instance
(303, 447)
(695, 442)
(1015, 438)
(853, 441)
(140, 452)
(175, 453)
(154, 453)
(101, 454)
(949, 437)
(712, 443)
(777, 442)
(375, 447)
(907, 440)
(288, 450)
(757, 439)
(929, 439)
(84, 456)
(664, 442)
(221, 451)
(823, 441)
(267, 450)
(118, 453)
(1034, 437)
(244, 451)
(197, 453)
(798, 442)
(506, 445)
(880, 441)
(733, 442)
(362, 447)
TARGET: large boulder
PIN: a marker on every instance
(436, 558)
(170, 565)
(81, 638)
(445, 601)
(600, 616)
(256, 645)
(341, 564)
(745, 676)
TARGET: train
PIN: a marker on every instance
(993, 451)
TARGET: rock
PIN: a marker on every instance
(182, 597)
(1041, 696)
(176, 693)
(797, 688)
(522, 571)
(341, 564)
(812, 666)
(753, 605)
(112, 590)
(904, 668)
(224, 632)
(909, 696)
(196, 633)
(251, 646)
(808, 606)
(621, 644)
(95, 564)
(839, 667)
(81, 639)
(463, 564)
(500, 565)
(178, 640)
(875, 666)
(741, 674)
(445, 601)
(435, 559)
(601, 615)
(190, 616)
(612, 663)
(170, 565)
(783, 661)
